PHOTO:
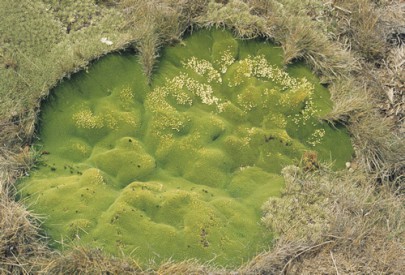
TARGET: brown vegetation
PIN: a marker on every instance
(21, 246)
(345, 225)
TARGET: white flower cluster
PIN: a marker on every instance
(172, 122)
(203, 91)
(128, 118)
(246, 102)
(226, 60)
(182, 88)
(156, 100)
(126, 95)
(278, 120)
(86, 119)
(316, 137)
(110, 121)
(243, 71)
(175, 87)
(166, 141)
(246, 141)
(166, 117)
(203, 68)
(308, 112)
(261, 68)
(298, 94)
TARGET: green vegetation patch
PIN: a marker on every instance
(178, 169)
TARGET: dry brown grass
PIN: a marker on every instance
(300, 29)
(359, 27)
(349, 98)
(301, 39)
(190, 267)
(391, 75)
(14, 165)
(17, 129)
(362, 230)
(22, 249)
(81, 260)
(154, 23)
(235, 15)
(379, 148)
(281, 258)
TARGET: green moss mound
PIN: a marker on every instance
(178, 169)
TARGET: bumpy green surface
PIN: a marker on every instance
(179, 169)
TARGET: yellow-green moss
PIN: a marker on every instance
(178, 169)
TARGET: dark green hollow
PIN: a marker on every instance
(179, 169)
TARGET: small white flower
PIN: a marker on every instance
(106, 41)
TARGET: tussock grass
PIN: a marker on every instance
(391, 78)
(235, 15)
(349, 98)
(22, 248)
(299, 29)
(301, 40)
(81, 260)
(284, 22)
(361, 230)
(380, 149)
(359, 26)
(190, 267)
(148, 49)
(14, 165)
(155, 23)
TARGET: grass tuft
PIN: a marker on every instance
(22, 249)
(359, 25)
(81, 260)
(346, 225)
(349, 99)
(154, 23)
(233, 14)
(189, 267)
(381, 151)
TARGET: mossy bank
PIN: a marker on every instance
(179, 168)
